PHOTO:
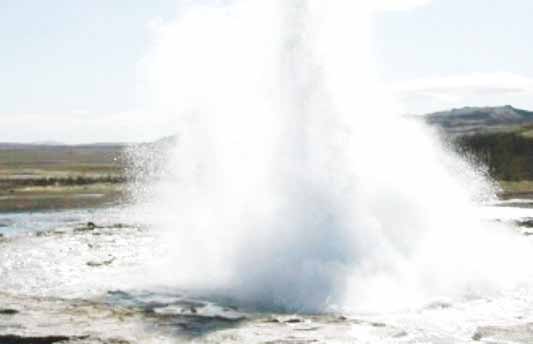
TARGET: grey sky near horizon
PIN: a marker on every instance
(69, 68)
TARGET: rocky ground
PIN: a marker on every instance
(74, 289)
(77, 281)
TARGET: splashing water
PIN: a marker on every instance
(294, 183)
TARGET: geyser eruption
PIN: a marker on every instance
(294, 183)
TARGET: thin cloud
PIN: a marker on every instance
(462, 86)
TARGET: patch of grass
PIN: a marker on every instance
(525, 131)
(516, 188)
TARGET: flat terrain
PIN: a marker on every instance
(47, 177)
(41, 177)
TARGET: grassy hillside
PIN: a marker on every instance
(501, 138)
(508, 155)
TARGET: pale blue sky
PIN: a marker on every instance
(68, 67)
(73, 55)
(457, 37)
(459, 52)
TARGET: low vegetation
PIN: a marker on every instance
(37, 177)
(501, 138)
(508, 155)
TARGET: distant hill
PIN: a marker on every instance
(501, 138)
(475, 120)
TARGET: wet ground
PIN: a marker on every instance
(66, 277)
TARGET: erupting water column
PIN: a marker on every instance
(295, 184)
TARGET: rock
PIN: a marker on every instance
(115, 341)
(525, 223)
(477, 336)
(399, 334)
(119, 293)
(102, 263)
(515, 334)
(15, 339)
(6, 223)
(49, 233)
(90, 226)
(231, 308)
